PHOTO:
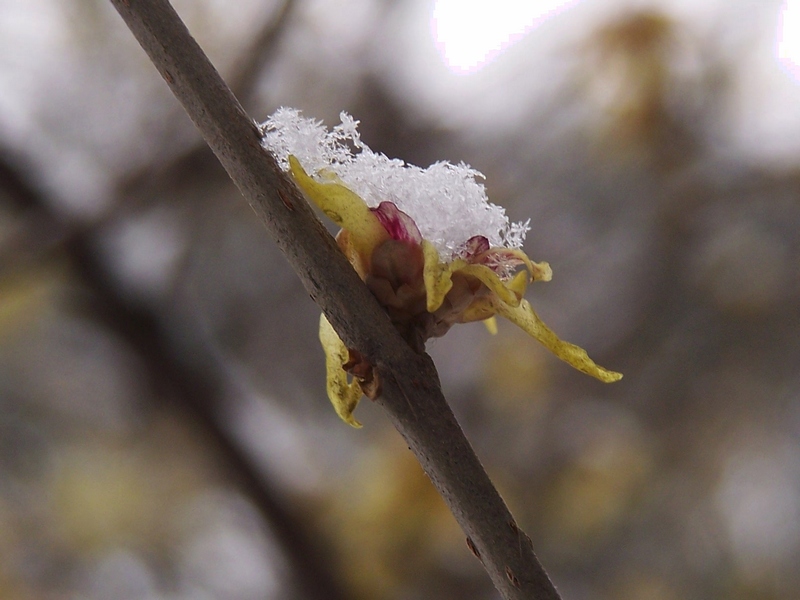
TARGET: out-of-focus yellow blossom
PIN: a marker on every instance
(426, 287)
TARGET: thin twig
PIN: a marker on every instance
(430, 430)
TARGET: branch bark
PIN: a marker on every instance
(412, 394)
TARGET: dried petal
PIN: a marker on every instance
(343, 395)
(526, 318)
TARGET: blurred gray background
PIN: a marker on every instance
(164, 430)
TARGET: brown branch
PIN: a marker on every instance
(412, 395)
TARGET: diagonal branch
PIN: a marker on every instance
(412, 395)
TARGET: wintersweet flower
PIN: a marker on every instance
(427, 243)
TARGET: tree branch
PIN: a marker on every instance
(411, 395)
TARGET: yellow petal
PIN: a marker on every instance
(360, 262)
(526, 318)
(437, 275)
(344, 207)
(519, 284)
(491, 280)
(480, 309)
(540, 271)
(343, 395)
(522, 256)
(491, 325)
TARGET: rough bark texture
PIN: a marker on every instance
(412, 395)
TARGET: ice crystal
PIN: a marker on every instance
(446, 201)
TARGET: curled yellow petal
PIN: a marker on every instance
(437, 275)
(529, 264)
(343, 395)
(540, 271)
(526, 318)
(519, 284)
(492, 281)
(481, 309)
(344, 207)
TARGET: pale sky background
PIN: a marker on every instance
(471, 34)
(476, 40)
